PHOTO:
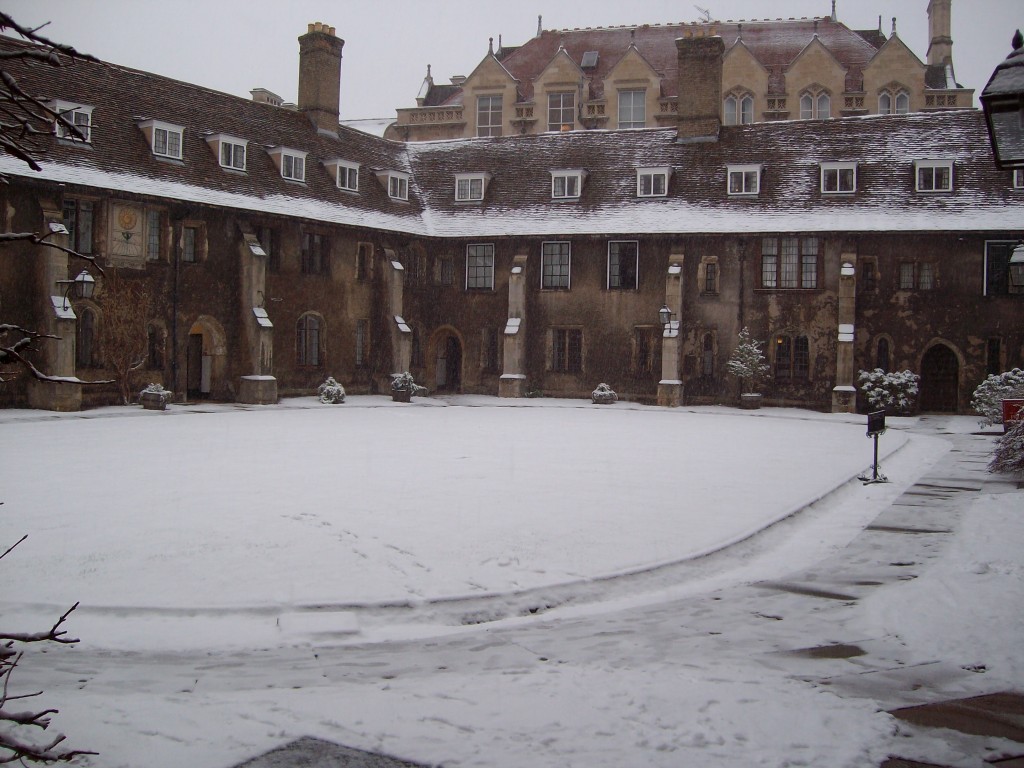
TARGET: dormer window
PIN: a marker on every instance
(165, 139)
(470, 187)
(345, 173)
(230, 150)
(395, 182)
(566, 185)
(934, 175)
(744, 179)
(79, 116)
(652, 182)
(398, 186)
(838, 178)
(348, 176)
(290, 162)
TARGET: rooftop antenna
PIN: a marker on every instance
(705, 14)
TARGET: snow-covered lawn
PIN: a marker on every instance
(249, 576)
(355, 504)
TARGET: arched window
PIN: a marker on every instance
(815, 104)
(747, 110)
(85, 343)
(738, 109)
(792, 357)
(882, 358)
(730, 110)
(893, 101)
(307, 340)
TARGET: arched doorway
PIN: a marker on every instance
(448, 363)
(205, 359)
(940, 379)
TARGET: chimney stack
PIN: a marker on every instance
(320, 76)
(700, 85)
(940, 27)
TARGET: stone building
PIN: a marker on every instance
(627, 77)
(277, 248)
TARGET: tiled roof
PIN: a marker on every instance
(518, 198)
(775, 43)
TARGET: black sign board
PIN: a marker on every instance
(876, 423)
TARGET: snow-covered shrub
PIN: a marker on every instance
(1009, 453)
(988, 397)
(331, 391)
(404, 382)
(747, 362)
(895, 391)
(155, 391)
(604, 394)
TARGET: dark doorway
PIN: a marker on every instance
(448, 376)
(940, 377)
(194, 367)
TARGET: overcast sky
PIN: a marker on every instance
(237, 45)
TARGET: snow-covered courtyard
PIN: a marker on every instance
(476, 582)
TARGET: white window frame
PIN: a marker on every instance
(466, 191)
(1018, 178)
(743, 173)
(932, 166)
(646, 184)
(561, 111)
(235, 145)
(347, 176)
(293, 166)
(571, 183)
(158, 127)
(827, 169)
(490, 127)
(813, 110)
(398, 186)
(483, 277)
(739, 109)
(632, 123)
(72, 113)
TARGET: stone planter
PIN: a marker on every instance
(153, 401)
(401, 395)
(750, 401)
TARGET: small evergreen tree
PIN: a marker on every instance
(747, 362)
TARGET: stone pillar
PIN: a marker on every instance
(700, 86)
(60, 321)
(513, 378)
(320, 76)
(400, 332)
(259, 386)
(670, 388)
(844, 394)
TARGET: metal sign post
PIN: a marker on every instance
(876, 426)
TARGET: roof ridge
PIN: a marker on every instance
(712, 22)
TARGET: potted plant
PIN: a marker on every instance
(331, 392)
(154, 397)
(603, 395)
(403, 387)
(748, 364)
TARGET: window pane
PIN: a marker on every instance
(884, 104)
(746, 110)
(906, 276)
(730, 110)
(711, 278)
(188, 244)
(632, 109)
(480, 266)
(561, 111)
(806, 107)
(160, 141)
(926, 276)
(153, 235)
(801, 357)
(790, 261)
(769, 265)
(824, 106)
(488, 116)
(555, 265)
(902, 103)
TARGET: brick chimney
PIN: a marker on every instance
(940, 26)
(320, 76)
(700, 85)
